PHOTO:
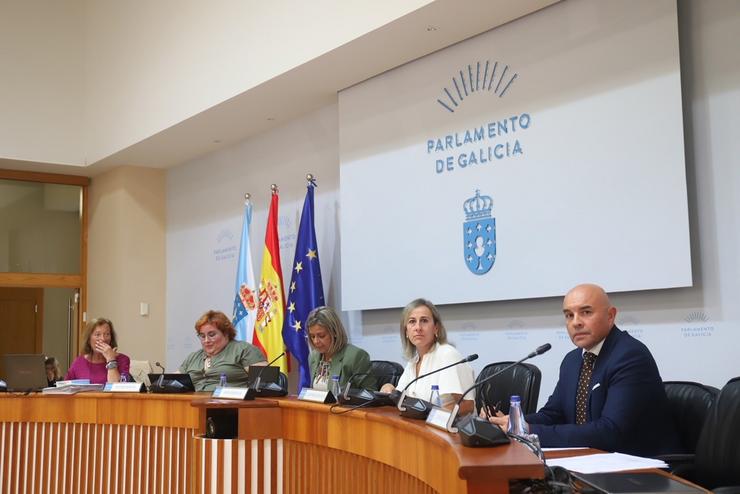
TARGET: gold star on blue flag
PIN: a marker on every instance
(306, 289)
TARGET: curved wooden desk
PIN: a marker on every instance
(311, 449)
(100, 442)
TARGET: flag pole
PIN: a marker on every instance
(268, 326)
(245, 298)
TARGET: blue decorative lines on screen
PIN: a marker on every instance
(468, 81)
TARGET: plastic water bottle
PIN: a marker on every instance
(336, 389)
(434, 397)
(517, 425)
(222, 381)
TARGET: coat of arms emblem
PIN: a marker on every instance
(479, 234)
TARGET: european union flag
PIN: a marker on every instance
(305, 291)
(245, 299)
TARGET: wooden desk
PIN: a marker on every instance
(96, 443)
(549, 455)
(364, 451)
(103, 442)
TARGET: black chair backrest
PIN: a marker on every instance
(717, 458)
(386, 371)
(689, 403)
(522, 379)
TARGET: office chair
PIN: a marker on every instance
(716, 463)
(139, 371)
(386, 371)
(690, 403)
(522, 379)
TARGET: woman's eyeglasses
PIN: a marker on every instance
(210, 336)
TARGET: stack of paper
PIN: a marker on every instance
(72, 387)
(606, 462)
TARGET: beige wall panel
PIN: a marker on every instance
(127, 257)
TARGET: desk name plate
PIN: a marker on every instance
(316, 395)
(233, 393)
(125, 387)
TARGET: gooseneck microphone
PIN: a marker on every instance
(160, 381)
(477, 432)
(421, 407)
(256, 382)
(539, 351)
(345, 395)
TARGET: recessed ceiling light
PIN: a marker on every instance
(432, 28)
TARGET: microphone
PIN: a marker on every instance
(416, 408)
(539, 350)
(365, 397)
(256, 382)
(475, 431)
(160, 381)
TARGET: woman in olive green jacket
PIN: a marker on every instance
(332, 355)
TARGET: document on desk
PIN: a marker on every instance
(606, 462)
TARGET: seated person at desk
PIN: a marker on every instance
(609, 394)
(100, 361)
(332, 355)
(424, 341)
(53, 373)
(221, 354)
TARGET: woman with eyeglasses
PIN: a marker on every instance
(220, 354)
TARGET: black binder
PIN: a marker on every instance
(632, 483)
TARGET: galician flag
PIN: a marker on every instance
(305, 291)
(245, 300)
(268, 327)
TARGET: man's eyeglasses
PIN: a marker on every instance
(210, 336)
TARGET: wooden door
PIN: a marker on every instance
(21, 320)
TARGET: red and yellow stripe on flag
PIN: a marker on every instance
(268, 328)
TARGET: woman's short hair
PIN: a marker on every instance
(327, 318)
(409, 350)
(220, 320)
(100, 321)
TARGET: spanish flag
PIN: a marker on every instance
(268, 328)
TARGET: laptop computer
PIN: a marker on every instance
(170, 383)
(632, 483)
(23, 371)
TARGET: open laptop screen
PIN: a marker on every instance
(23, 372)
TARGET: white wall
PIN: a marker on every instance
(691, 331)
(84, 79)
(41, 87)
(204, 217)
(155, 64)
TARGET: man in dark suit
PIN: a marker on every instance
(609, 394)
